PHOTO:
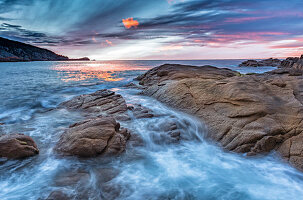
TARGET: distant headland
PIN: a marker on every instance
(13, 51)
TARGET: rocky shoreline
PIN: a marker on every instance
(251, 114)
(248, 114)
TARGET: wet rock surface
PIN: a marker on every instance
(93, 137)
(106, 103)
(58, 195)
(15, 146)
(133, 85)
(81, 182)
(138, 111)
(103, 102)
(99, 135)
(69, 178)
(250, 114)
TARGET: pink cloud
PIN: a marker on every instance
(245, 19)
(245, 38)
(294, 43)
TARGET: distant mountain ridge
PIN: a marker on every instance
(13, 51)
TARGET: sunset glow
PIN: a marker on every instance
(166, 29)
(151, 99)
(104, 72)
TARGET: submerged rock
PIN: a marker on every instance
(58, 195)
(72, 177)
(246, 114)
(93, 137)
(14, 146)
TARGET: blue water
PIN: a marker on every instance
(192, 169)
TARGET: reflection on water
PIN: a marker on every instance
(81, 71)
(87, 74)
(113, 71)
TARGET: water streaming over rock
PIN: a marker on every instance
(166, 158)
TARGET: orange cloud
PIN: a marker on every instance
(130, 22)
(109, 42)
(94, 39)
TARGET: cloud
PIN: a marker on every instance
(17, 31)
(228, 21)
(130, 22)
(245, 19)
(195, 23)
(109, 42)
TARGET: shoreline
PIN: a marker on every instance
(245, 114)
(140, 130)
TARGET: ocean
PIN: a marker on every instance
(193, 169)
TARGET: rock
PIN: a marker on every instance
(80, 59)
(278, 83)
(136, 140)
(288, 62)
(138, 78)
(162, 73)
(179, 72)
(104, 175)
(140, 112)
(251, 114)
(15, 146)
(71, 177)
(58, 195)
(262, 63)
(133, 85)
(76, 178)
(295, 72)
(93, 137)
(292, 150)
(166, 132)
(103, 102)
(106, 103)
(249, 63)
(294, 63)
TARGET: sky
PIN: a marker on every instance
(157, 29)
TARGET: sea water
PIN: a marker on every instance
(195, 168)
